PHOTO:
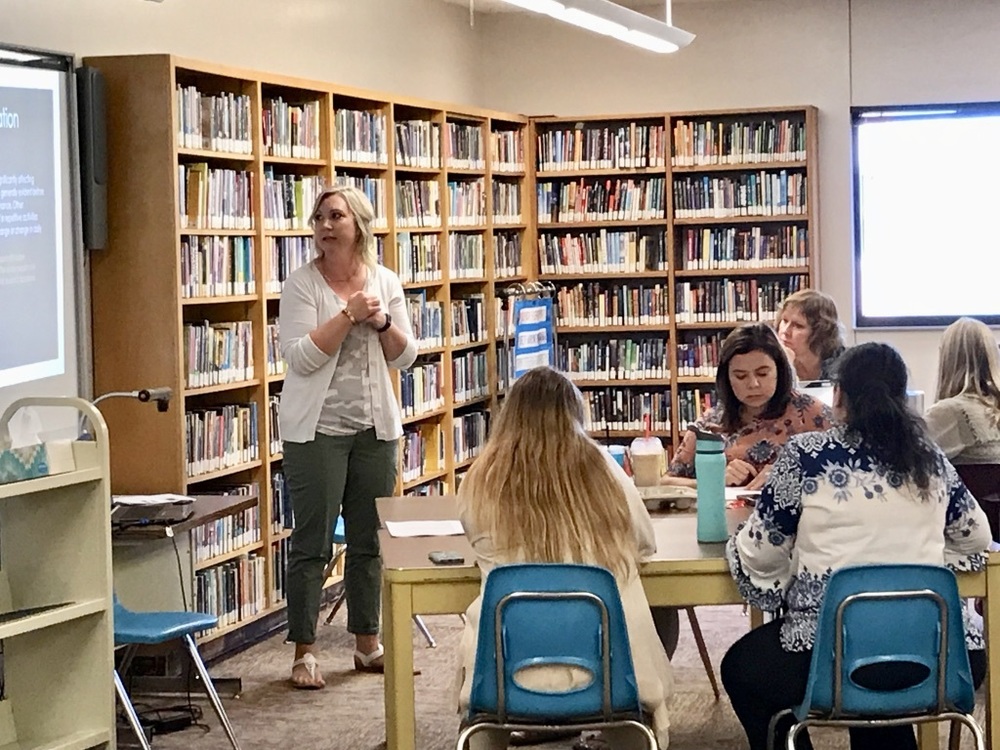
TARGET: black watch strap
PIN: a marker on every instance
(385, 326)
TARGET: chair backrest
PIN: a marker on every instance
(890, 641)
(983, 480)
(546, 614)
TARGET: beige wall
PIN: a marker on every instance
(769, 52)
(422, 48)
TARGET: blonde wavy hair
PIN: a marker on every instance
(362, 210)
(543, 488)
(969, 364)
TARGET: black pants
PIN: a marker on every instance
(762, 679)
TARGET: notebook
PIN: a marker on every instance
(163, 514)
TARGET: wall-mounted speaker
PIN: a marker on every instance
(92, 118)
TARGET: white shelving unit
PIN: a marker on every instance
(55, 548)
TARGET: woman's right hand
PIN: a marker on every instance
(739, 472)
(362, 306)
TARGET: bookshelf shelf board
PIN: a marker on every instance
(464, 463)
(294, 160)
(573, 174)
(272, 296)
(471, 401)
(229, 470)
(424, 416)
(288, 232)
(369, 166)
(501, 173)
(52, 482)
(380, 230)
(211, 562)
(602, 275)
(424, 479)
(468, 280)
(466, 172)
(627, 433)
(419, 170)
(57, 616)
(191, 392)
(188, 301)
(776, 219)
(80, 740)
(743, 271)
(431, 350)
(423, 284)
(211, 635)
(742, 167)
(275, 457)
(628, 328)
(200, 153)
(203, 232)
(467, 228)
(619, 382)
(419, 230)
(501, 226)
(277, 536)
(279, 378)
(556, 226)
(469, 345)
(701, 325)
(696, 379)
(510, 279)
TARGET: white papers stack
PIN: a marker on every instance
(424, 528)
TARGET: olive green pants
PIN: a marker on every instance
(326, 477)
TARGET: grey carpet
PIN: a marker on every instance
(348, 714)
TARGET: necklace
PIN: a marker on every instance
(330, 281)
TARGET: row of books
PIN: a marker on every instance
(418, 203)
(214, 266)
(226, 534)
(734, 300)
(602, 251)
(418, 144)
(233, 591)
(739, 247)
(418, 258)
(214, 122)
(464, 144)
(422, 443)
(706, 143)
(467, 256)
(469, 432)
(620, 199)
(507, 202)
(217, 353)
(698, 354)
(285, 255)
(470, 376)
(433, 488)
(507, 151)
(291, 130)
(598, 303)
(289, 199)
(211, 198)
(618, 408)
(760, 193)
(421, 388)
(272, 350)
(466, 203)
(282, 516)
(273, 406)
(374, 188)
(360, 136)
(692, 403)
(220, 437)
(426, 320)
(615, 359)
(507, 255)
(468, 319)
(279, 569)
(631, 145)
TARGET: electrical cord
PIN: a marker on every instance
(180, 572)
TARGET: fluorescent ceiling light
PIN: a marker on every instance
(610, 19)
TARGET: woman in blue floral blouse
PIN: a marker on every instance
(874, 489)
(758, 409)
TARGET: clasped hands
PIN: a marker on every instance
(739, 473)
(366, 308)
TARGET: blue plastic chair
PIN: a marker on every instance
(133, 629)
(552, 614)
(905, 618)
(340, 538)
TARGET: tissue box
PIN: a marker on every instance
(32, 461)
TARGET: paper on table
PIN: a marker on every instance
(424, 528)
(733, 493)
(150, 499)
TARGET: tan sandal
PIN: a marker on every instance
(373, 662)
(312, 668)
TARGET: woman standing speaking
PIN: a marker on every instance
(343, 324)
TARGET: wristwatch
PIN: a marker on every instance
(385, 326)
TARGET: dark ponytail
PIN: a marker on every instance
(872, 380)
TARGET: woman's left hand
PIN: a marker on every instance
(760, 480)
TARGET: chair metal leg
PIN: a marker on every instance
(213, 695)
(133, 717)
(772, 726)
(703, 650)
(422, 627)
(336, 606)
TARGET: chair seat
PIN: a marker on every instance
(159, 627)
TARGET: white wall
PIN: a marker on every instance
(830, 53)
(421, 48)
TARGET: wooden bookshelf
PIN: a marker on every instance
(144, 299)
(617, 179)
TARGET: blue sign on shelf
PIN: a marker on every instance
(534, 335)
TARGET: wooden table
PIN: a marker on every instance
(682, 573)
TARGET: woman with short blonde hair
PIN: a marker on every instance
(810, 330)
(544, 491)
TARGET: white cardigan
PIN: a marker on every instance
(307, 302)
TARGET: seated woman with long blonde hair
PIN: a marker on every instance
(544, 491)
